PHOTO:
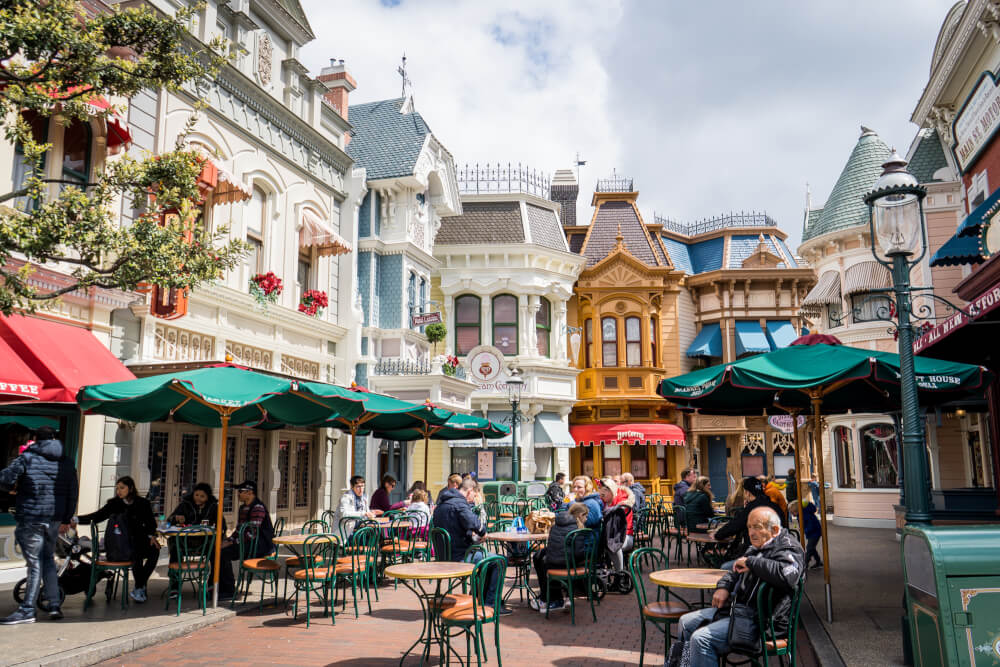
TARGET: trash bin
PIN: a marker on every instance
(493, 490)
(951, 577)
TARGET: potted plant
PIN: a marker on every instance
(265, 288)
(435, 333)
(450, 365)
(313, 302)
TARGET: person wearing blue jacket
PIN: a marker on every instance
(583, 492)
(814, 531)
(46, 486)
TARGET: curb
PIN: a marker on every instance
(824, 650)
(112, 648)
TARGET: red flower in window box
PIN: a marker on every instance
(313, 302)
(265, 288)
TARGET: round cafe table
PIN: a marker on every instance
(710, 549)
(701, 578)
(428, 583)
(518, 548)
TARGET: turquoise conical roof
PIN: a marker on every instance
(846, 207)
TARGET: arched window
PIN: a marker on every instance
(254, 212)
(633, 342)
(505, 323)
(543, 326)
(654, 360)
(76, 152)
(39, 134)
(466, 323)
(588, 341)
(878, 457)
(609, 342)
(844, 447)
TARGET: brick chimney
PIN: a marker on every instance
(565, 190)
(339, 84)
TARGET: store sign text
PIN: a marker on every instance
(977, 121)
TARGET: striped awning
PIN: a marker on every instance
(865, 277)
(316, 233)
(826, 290)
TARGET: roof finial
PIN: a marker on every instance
(407, 88)
(619, 238)
(867, 131)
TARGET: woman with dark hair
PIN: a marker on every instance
(380, 499)
(141, 526)
(197, 508)
(698, 503)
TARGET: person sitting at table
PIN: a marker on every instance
(737, 526)
(774, 558)
(583, 492)
(688, 478)
(141, 526)
(353, 504)
(454, 514)
(735, 501)
(252, 513)
(199, 507)
(553, 555)
(418, 505)
(613, 496)
(380, 499)
(698, 503)
(454, 480)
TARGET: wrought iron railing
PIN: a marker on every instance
(615, 184)
(411, 367)
(476, 179)
(752, 219)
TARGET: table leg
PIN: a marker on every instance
(431, 632)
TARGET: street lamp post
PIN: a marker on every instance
(515, 383)
(896, 221)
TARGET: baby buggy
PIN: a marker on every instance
(614, 530)
(73, 566)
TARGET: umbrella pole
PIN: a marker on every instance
(218, 514)
(817, 400)
(427, 449)
(798, 476)
(354, 447)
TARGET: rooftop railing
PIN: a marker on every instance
(480, 179)
(615, 184)
(727, 221)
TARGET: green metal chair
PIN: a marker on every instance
(770, 643)
(194, 564)
(538, 504)
(311, 527)
(440, 544)
(642, 526)
(329, 517)
(400, 546)
(659, 609)
(319, 553)
(469, 620)
(252, 566)
(677, 532)
(279, 526)
(358, 567)
(118, 570)
(582, 540)
(520, 507)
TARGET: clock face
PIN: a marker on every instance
(991, 236)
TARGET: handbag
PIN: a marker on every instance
(743, 636)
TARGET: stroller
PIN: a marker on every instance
(73, 570)
(614, 529)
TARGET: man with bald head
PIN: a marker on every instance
(775, 559)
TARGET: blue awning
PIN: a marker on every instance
(780, 333)
(958, 250)
(750, 338)
(970, 226)
(708, 342)
(552, 431)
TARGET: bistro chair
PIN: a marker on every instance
(319, 553)
(440, 544)
(194, 564)
(118, 569)
(520, 507)
(358, 567)
(312, 527)
(659, 609)
(251, 566)
(493, 510)
(577, 569)
(469, 620)
(400, 547)
(538, 504)
(642, 526)
(279, 526)
(677, 531)
(771, 644)
(329, 517)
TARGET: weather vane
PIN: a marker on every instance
(406, 79)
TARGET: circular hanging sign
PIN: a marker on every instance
(485, 364)
(989, 237)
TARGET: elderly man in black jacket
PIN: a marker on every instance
(454, 514)
(776, 559)
(47, 488)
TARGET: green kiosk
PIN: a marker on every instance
(952, 579)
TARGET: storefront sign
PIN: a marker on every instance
(486, 368)
(981, 305)
(977, 121)
(783, 423)
(424, 319)
(484, 469)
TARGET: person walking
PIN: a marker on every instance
(814, 532)
(141, 526)
(45, 484)
(554, 495)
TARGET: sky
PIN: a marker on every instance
(709, 106)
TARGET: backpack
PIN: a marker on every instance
(117, 544)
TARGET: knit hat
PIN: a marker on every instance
(753, 485)
(610, 485)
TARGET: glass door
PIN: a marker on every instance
(243, 452)
(303, 480)
(174, 458)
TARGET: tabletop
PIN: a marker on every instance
(706, 538)
(691, 577)
(295, 539)
(197, 530)
(432, 570)
(502, 536)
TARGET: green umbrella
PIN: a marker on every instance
(217, 396)
(830, 379)
(457, 427)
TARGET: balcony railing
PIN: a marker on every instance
(752, 219)
(478, 179)
(410, 367)
(615, 184)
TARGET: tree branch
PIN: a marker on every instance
(24, 191)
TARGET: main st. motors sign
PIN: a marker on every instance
(976, 121)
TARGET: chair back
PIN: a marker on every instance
(330, 518)
(319, 553)
(194, 550)
(500, 525)
(767, 596)
(584, 541)
(680, 519)
(538, 503)
(640, 564)
(248, 537)
(479, 581)
(315, 527)
(400, 532)
(640, 525)
(366, 557)
(493, 509)
(520, 507)
(346, 527)
(279, 526)
(440, 540)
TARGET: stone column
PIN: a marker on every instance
(530, 330)
(559, 333)
(485, 321)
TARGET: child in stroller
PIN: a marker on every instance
(612, 549)
(73, 565)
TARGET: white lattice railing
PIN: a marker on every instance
(173, 344)
(248, 355)
(302, 368)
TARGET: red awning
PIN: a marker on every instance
(647, 433)
(119, 136)
(17, 381)
(63, 357)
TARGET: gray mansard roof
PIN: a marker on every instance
(501, 222)
(386, 142)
